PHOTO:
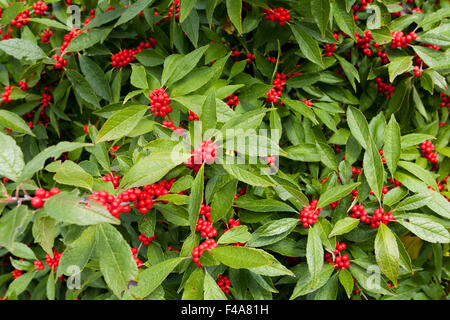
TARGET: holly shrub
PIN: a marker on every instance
(209, 149)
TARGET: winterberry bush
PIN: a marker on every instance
(209, 149)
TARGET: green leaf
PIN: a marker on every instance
(346, 279)
(51, 286)
(308, 46)
(209, 113)
(234, 8)
(196, 197)
(398, 66)
(343, 226)
(321, 12)
(69, 208)
(373, 168)
(72, 174)
(223, 200)
(242, 257)
(344, 19)
(193, 289)
(327, 155)
(349, 69)
(151, 278)
(186, 8)
(82, 87)
(12, 224)
(96, 77)
(11, 158)
(87, 39)
(183, 65)
(276, 227)
(413, 202)
(14, 122)
(426, 229)
(44, 233)
(77, 254)
(246, 176)
(433, 58)
(138, 77)
(211, 290)
(37, 163)
(335, 193)
(50, 23)
(386, 253)
(358, 126)
(20, 48)
(420, 173)
(116, 259)
(121, 123)
(133, 11)
(236, 234)
(152, 168)
(262, 205)
(314, 254)
(392, 142)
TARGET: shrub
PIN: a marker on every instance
(224, 149)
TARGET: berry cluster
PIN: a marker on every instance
(198, 250)
(6, 94)
(427, 148)
(21, 19)
(275, 93)
(40, 7)
(114, 179)
(359, 212)
(68, 39)
(396, 182)
(160, 102)
(139, 263)
(379, 216)
(126, 56)
(363, 42)
(192, 116)
(39, 265)
(146, 240)
(354, 194)
(341, 261)
(360, 7)
(329, 49)
(308, 102)
(205, 152)
(280, 15)
(23, 85)
(45, 99)
(355, 172)
(53, 262)
(445, 100)
(309, 214)
(40, 195)
(224, 283)
(46, 36)
(169, 124)
(417, 71)
(232, 101)
(399, 40)
(334, 204)
(205, 228)
(142, 199)
(177, 9)
(112, 204)
(384, 88)
(60, 61)
(16, 273)
(123, 58)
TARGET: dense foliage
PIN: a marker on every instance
(224, 149)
